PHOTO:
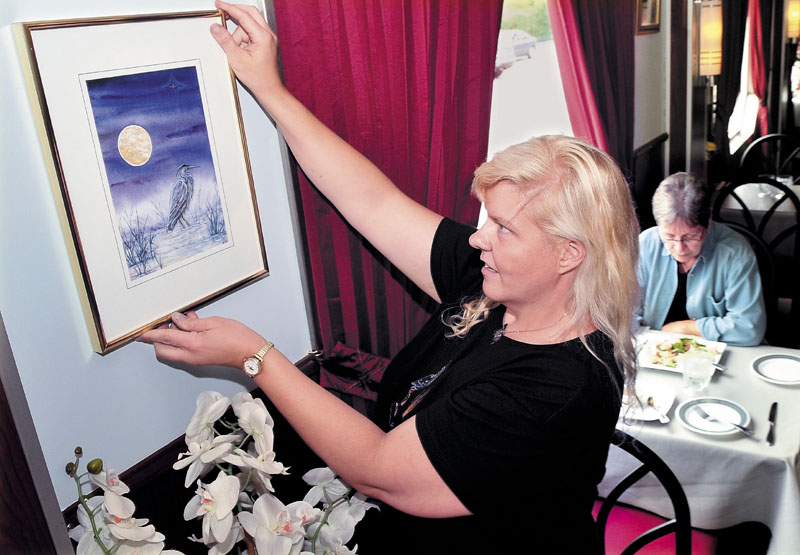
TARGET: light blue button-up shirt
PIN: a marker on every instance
(723, 288)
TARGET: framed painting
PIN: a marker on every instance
(143, 141)
(648, 16)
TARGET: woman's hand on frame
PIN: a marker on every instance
(204, 341)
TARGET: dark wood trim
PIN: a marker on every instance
(647, 172)
(30, 522)
(679, 26)
(22, 524)
(650, 145)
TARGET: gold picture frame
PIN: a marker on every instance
(144, 147)
(648, 16)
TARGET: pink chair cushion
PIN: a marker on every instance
(625, 524)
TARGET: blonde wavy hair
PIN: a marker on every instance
(576, 193)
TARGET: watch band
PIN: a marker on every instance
(262, 352)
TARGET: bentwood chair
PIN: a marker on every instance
(770, 221)
(625, 530)
(772, 155)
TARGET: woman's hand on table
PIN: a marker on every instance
(688, 327)
(203, 341)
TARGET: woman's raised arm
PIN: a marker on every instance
(395, 224)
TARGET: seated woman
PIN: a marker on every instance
(495, 421)
(698, 277)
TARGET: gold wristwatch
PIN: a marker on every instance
(252, 364)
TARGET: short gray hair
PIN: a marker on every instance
(684, 197)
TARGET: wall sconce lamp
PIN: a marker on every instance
(793, 20)
(711, 36)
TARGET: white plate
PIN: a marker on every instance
(778, 368)
(662, 399)
(721, 408)
(647, 342)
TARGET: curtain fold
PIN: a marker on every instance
(581, 106)
(758, 73)
(722, 166)
(606, 30)
(408, 84)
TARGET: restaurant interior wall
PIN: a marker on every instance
(125, 405)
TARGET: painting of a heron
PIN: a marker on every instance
(158, 162)
(181, 195)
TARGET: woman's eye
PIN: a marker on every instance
(502, 229)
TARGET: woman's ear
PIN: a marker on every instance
(572, 254)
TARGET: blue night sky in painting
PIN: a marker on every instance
(167, 103)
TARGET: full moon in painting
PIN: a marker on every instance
(134, 145)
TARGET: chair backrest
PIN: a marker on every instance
(738, 201)
(772, 215)
(681, 525)
(773, 154)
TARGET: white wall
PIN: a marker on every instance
(125, 405)
(651, 75)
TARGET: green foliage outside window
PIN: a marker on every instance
(528, 15)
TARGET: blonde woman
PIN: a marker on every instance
(494, 422)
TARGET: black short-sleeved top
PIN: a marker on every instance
(519, 432)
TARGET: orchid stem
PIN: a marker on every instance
(91, 513)
(324, 520)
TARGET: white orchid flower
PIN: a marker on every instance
(244, 397)
(276, 528)
(140, 548)
(210, 407)
(119, 517)
(359, 506)
(259, 469)
(201, 456)
(261, 462)
(305, 513)
(325, 486)
(337, 530)
(256, 421)
(109, 481)
(340, 525)
(215, 504)
(233, 538)
(82, 533)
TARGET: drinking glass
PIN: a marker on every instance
(697, 370)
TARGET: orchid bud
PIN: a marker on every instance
(78, 451)
(71, 468)
(95, 466)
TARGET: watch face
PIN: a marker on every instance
(252, 366)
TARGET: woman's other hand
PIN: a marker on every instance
(204, 341)
(688, 327)
(252, 49)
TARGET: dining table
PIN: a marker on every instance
(729, 478)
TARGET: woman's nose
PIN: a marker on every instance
(478, 240)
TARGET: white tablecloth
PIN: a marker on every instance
(732, 479)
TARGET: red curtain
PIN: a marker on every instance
(757, 70)
(409, 85)
(581, 106)
(606, 32)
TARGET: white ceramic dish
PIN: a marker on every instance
(663, 398)
(778, 368)
(720, 408)
(647, 345)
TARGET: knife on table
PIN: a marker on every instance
(773, 412)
